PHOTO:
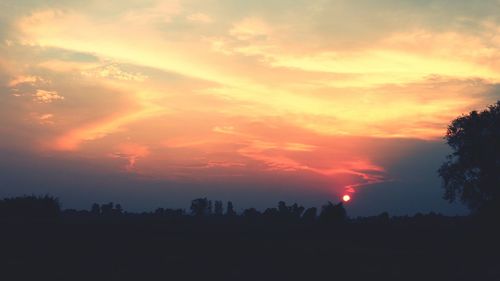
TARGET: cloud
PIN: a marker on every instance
(224, 129)
(113, 71)
(200, 17)
(31, 80)
(71, 140)
(43, 96)
(158, 12)
(45, 119)
(224, 164)
(283, 157)
(251, 29)
(131, 152)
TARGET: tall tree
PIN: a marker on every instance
(209, 208)
(472, 171)
(95, 209)
(200, 207)
(230, 209)
(218, 208)
(118, 209)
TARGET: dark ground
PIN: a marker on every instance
(144, 248)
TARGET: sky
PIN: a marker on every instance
(154, 103)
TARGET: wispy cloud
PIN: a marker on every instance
(200, 17)
(131, 152)
(113, 71)
(31, 80)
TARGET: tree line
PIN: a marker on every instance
(32, 206)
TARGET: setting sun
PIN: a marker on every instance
(346, 198)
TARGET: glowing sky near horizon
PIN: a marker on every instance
(237, 92)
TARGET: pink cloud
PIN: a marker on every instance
(132, 153)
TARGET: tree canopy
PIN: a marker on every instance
(472, 171)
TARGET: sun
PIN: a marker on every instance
(346, 198)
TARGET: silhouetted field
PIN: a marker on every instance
(81, 245)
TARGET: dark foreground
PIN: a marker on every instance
(135, 248)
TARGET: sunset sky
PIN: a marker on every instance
(154, 103)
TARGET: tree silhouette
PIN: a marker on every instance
(209, 208)
(173, 212)
(296, 211)
(218, 208)
(283, 209)
(332, 213)
(271, 213)
(30, 207)
(200, 207)
(251, 213)
(95, 209)
(159, 211)
(309, 215)
(230, 209)
(107, 209)
(285, 212)
(118, 209)
(472, 171)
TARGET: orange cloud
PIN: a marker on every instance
(71, 140)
